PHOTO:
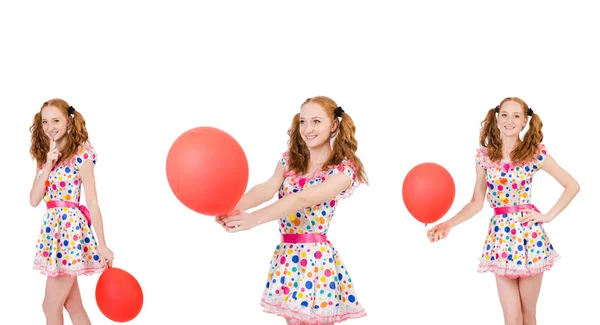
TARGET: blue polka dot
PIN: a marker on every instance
(41, 246)
(67, 170)
(79, 246)
(520, 248)
(332, 285)
(488, 247)
(351, 298)
(491, 186)
(282, 280)
(66, 243)
(519, 263)
(304, 304)
(510, 257)
(527, 168)
(308, 285)
(48, 229)
(340, 276)
(496, 229)
(506, 229)
(64, 216)
(323, 213)
(96, 257)
(295, 259)
(79, 160)
(59, 255)
(539, 244)
(294, 295)
(267, 284)
(87, 240)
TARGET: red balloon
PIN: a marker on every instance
(428, 192)
(207, 170)
(119, 295)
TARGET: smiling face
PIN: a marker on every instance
(54, 123)
(315, 126)
(511, 119)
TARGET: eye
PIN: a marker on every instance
(503, 114)
(317, 121)
(44, 122)
(302, 122)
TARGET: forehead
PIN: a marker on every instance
(312, 110)
(511, 107)
(51, 112)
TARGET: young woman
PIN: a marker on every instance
(308, 282)
(66, 246)
(517, 248)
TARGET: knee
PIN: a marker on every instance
(49, 307)
(529, 317)
(513, 318)
(73, 306)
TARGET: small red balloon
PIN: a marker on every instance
(428, 192)
(207, 171)
(119, 295)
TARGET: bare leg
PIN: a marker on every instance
(57, 290)
(74, 306)
(508, 292)
(529, 289)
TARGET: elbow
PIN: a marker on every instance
(34, 203)
(576, 187)
(476, 205)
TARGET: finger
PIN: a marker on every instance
(235, 229)
(231, 219)
(235, 223)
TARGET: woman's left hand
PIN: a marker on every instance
(534, 216)
(238, 222)
(106, 255)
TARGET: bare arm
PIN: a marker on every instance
(566, 180)
(86, 171)
(334, 185)
(38, 189)
(262, 192)
(476, 203)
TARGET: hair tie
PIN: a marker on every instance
(529, 111)
(497, 109)
(338, 111)
(71, 110)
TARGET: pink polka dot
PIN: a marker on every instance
(54, 186)
(523, 183)
(62, 184)
(75, 237)
(504, 255)
(286, 290)
(85, 156)
(318, 255)
(534, 235)
(85, 249)
(514, 186)
(68, 224)
(76, 182)
(282, 260)
(64, 262)
(301, 182)
(45, 254)
(514, 231)
(327, 272)
(303, 262)
(500, 187)
(332, 203)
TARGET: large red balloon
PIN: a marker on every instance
(428, 192)
(207, 170)
(119, 295)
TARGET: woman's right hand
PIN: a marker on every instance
(53, 155)
(438, 232)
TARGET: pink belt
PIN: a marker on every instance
(303, 238)
(69, 204)
(515, 208)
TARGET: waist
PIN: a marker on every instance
(514, 209)
(61, 204)
(303, 238)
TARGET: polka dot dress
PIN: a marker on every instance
(66, 244)
(513, 249)
(308, 282)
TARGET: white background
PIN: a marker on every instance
(416, 78)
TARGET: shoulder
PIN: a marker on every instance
(482, 157)
(346, 167)
(84, 153)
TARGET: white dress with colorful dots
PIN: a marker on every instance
(66, 244)
(308, 282)
(513, 249)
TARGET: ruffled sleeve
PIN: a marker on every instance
(482, 158)
(347, 168)
(85, 153)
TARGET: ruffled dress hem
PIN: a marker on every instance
(299, 317)
(517, 271)
(52, 272)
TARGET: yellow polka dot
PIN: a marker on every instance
(323, 279)
(303, 254)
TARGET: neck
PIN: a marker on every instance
(319, 155)
(509, 144)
